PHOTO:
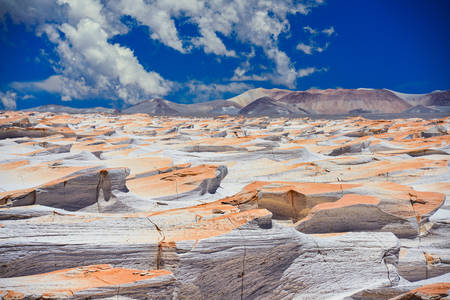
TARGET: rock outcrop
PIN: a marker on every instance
(134, 206)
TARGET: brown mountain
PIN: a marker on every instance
(331, 101)
(161, 107)
(436, 98)
(343, 101)
(54, 108)
(266, 106)
(249, 96)
(155, 106)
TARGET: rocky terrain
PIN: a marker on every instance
(132, 206)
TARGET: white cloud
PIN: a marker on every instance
(310, 49)
(8, 99)
(81, 9)
(100, 60)
(311, 70)
(90, 65)
(312, 45)
(214, 90)
(329, 31)
(310, 29)
(305, 48)
(240, 75)
(32, 12)
(305, 72)
(284, 72)
(254, 22)
(212, 44)
(68, 88)
(28, 96)
(157, 18)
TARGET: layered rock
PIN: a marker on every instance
(71, 193)
(322, 208)
(171, 185)
(94, 281)
(236, 207)
(255, 257)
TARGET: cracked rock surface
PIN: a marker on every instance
(106, 206)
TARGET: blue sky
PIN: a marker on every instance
(120, 52)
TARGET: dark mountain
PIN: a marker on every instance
(155, 106)
(420, 109)
(266, 106)
(159, 106)
(249, 96)
(439, 98)
(216, 107)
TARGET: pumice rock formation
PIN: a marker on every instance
(132, 206)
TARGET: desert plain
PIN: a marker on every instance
(135, 206)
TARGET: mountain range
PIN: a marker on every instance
(71, 110)
(279, 102)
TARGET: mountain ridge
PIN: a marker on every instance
(278, 102)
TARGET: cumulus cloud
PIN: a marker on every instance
(156, 16)
(212, 44)
(284, 73)
(215, 91)
(305, 72)
(8, 99)
(32, 12)
(90, 65)
(330, 31)
(308, 71)
(313, 46)
(310, 29)
(240, 74)
(258, 23)
(310, 49)
(68, 88)
(327, 31)
(307, 49)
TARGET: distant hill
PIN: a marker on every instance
(249, 96)
(343, 101)
(436, 98)
(267, 106)
(346, 101)
(420, 109)
(155, 106)
(71, 110)
(159, 106)
(278, 102)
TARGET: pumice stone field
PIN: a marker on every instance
(132, 206)
(225, 149)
